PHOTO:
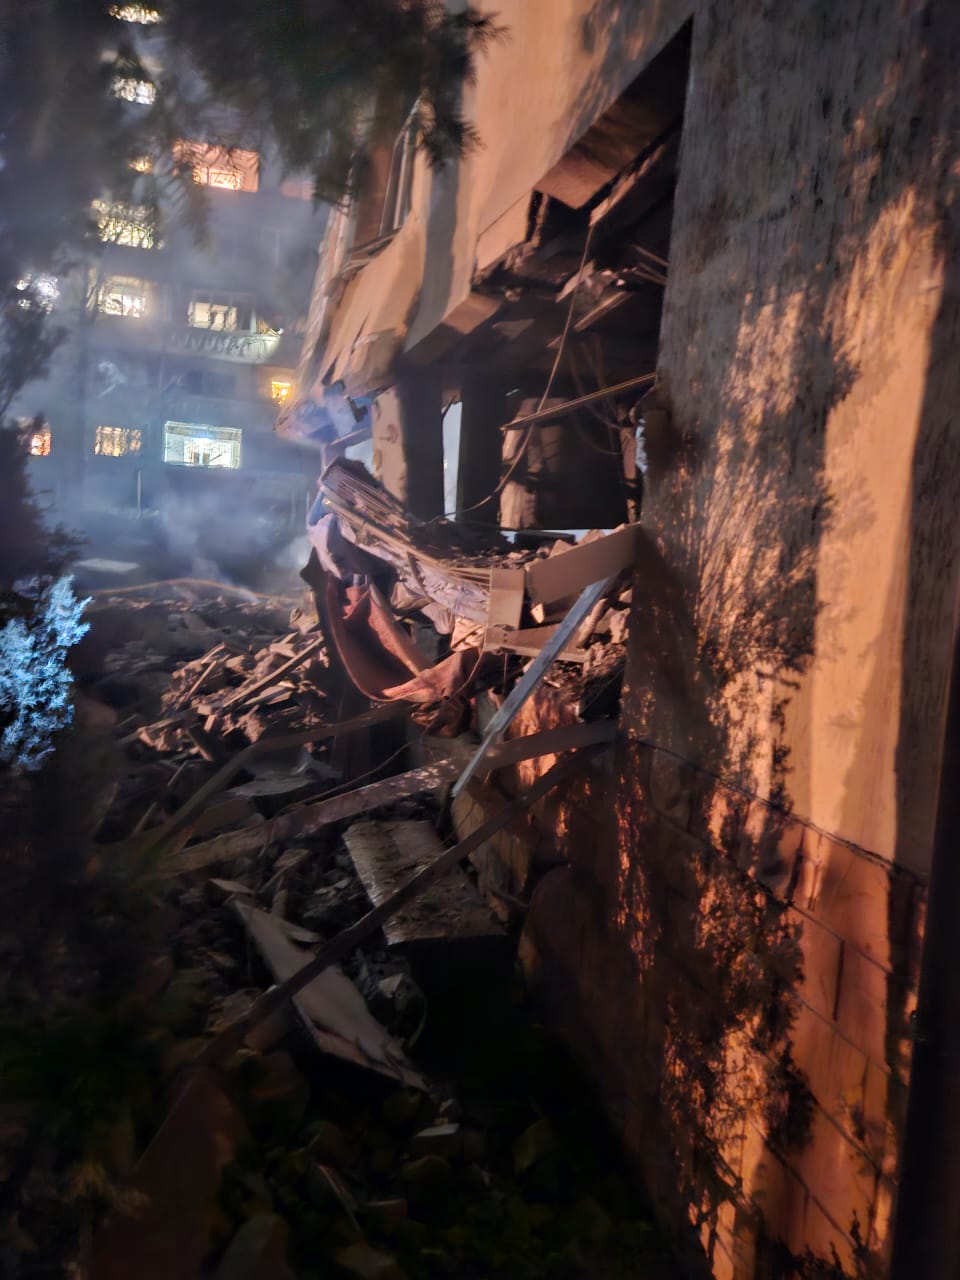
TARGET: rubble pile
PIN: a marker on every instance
(376, 571)
(350, 1129)
(352, 1136)
(238, 693)
(213, 671)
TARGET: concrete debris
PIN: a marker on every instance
(239, 765)
(386, 854)
(375, 570)
(333, 1011)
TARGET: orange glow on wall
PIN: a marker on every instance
(225, 168)
(39, 443)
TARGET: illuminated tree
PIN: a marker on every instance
(35, 681)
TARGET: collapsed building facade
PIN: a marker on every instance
(699, 275)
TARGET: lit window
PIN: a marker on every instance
(38, 443)
(135, 13)
(204, 313)
(114, 442)
(230, 169)
(279, 390)
(133, 90)
(38, 290)
(142, 164)
(126, 224)
(191, 444)
(119, 296)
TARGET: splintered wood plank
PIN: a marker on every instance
(308, 819)
(387, 854)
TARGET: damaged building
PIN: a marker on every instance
(695, 284)
(153, 425)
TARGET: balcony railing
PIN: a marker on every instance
(223, 344)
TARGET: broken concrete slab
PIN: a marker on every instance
(387, 854)
(307, 819)
(562, 576)
(331, 1008)
(344, 943)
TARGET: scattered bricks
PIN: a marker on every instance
(439, 1140)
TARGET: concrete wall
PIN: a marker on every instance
(735, 957)
(560, 64)
(733, 944)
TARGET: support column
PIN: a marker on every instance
(408, 443)
(484, 397)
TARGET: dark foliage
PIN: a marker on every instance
(307, 77)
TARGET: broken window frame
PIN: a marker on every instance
(398, 194)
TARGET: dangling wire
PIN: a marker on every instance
(561, 347)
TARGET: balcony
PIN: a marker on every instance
(237, 345)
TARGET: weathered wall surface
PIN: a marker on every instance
(559, 65)
(736, 956)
